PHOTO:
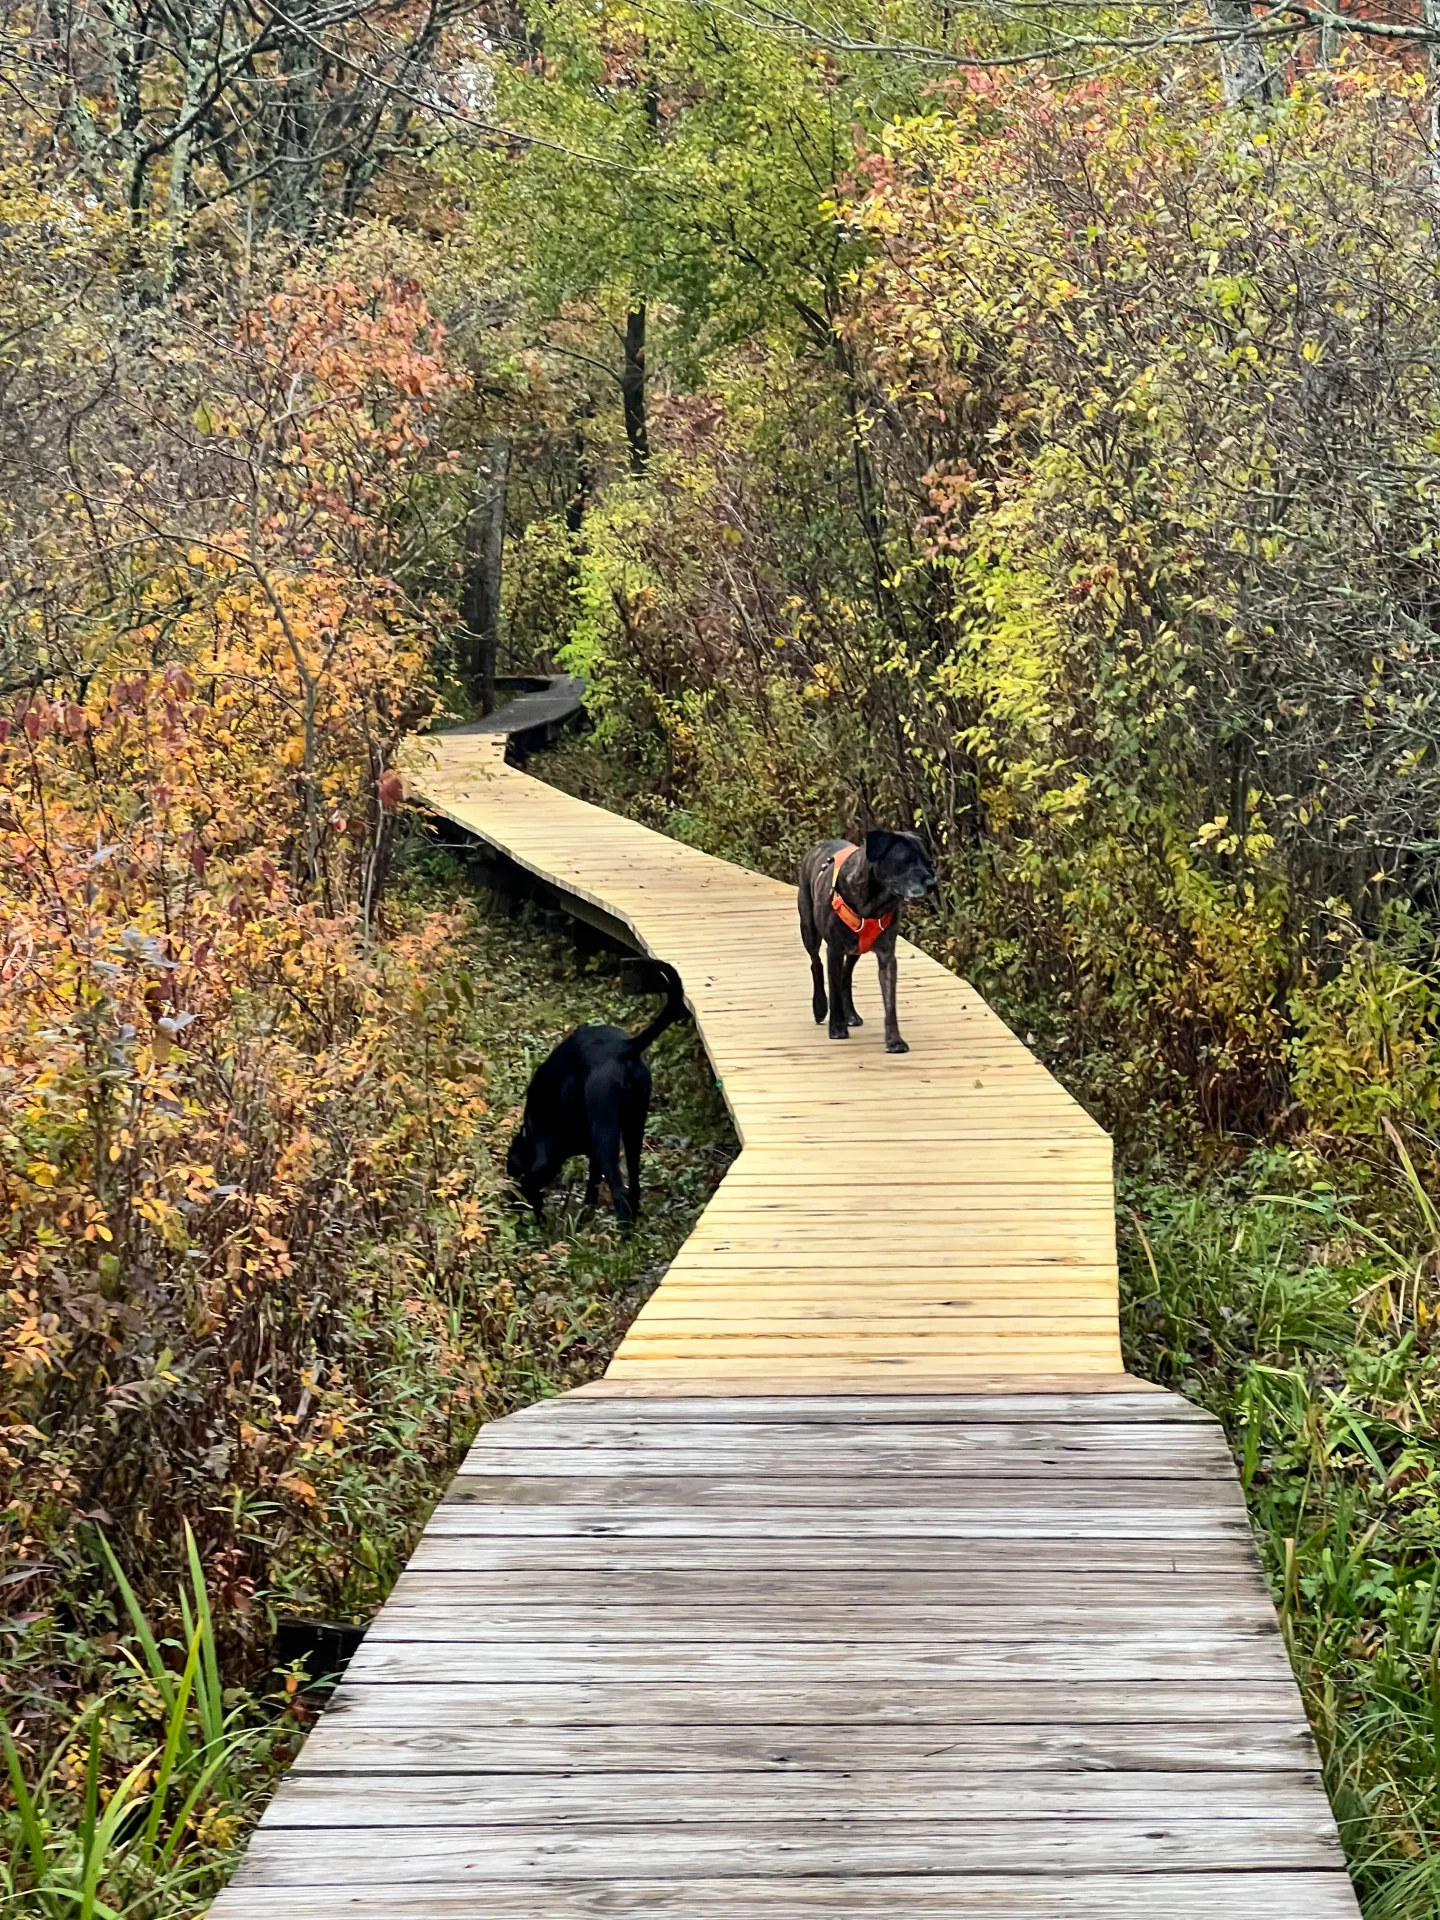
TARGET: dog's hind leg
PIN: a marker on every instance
(852, 1017)
(633, 1129)
(810, 935)
(604, 1100)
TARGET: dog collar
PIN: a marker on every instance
(866, 929)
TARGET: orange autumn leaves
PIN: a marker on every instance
(214, 1079)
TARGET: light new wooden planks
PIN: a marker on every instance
(961, 1164)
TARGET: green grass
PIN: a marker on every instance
(1308, 1331)
(91, 1839)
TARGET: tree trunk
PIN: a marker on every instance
(484, 565)
(579, 499)
(1246, 78)
(293, 175)
(632, 388)
(202, 46)
(1430, 13)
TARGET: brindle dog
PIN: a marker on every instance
(872, 882)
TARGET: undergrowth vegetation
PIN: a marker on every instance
(1310, 1334)
(146, 1726)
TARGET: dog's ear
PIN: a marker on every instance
(878, 843)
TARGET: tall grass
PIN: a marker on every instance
(1305, 1321)
(87, 1841)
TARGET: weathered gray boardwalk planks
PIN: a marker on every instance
(962, 1656)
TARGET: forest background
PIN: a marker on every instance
(1016, 420)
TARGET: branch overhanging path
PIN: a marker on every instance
(866, 1582)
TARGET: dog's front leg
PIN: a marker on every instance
(889, 972)
(835, 968)
(852, 1018)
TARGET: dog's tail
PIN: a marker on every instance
(674, 1009)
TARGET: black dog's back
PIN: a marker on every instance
(592, 1096)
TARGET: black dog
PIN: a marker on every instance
(850, 899)
(591, 1096)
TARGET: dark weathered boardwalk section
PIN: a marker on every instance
(861, 1587)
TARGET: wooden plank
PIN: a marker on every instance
(1121, 1398)
(657, 1592)
(292, 1857)
(1047, 1463)
(1049, 1456)
(1267, 1895)
(564, 1802)
(996, 1416)
(463, 1618)
(738, 1372)
(986, 1286)
(494, 1520)
(1095, 1658)
(938, 1712)
(453, 1547)
(728, 1301)
(928, 1321)
(887, 1498)
(362, 1740)
(955, 1256)
(727, 1358)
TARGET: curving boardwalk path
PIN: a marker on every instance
(866, 1583)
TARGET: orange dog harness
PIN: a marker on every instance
(868, 931)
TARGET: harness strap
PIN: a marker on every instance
(867, 929)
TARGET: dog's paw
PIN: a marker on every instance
(855, 1020)
(820, 1011)
(897, 1045)
(839, 1033)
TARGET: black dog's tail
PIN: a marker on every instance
(674, 1009)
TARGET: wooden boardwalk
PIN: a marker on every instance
(865, 1583)
(534, 716)
(924, 1217)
